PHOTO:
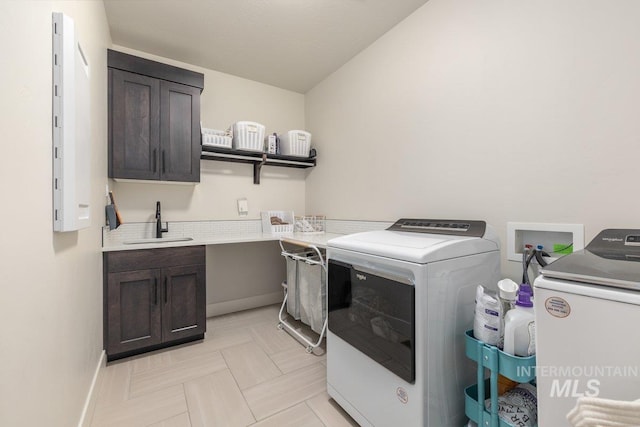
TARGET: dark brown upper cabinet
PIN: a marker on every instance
(154, 120)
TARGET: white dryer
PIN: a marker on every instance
(399, 303)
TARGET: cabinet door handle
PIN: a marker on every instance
(164, 164)
(155, 160)
(155, 291)
(165, 289)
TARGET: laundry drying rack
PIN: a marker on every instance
(305, 290)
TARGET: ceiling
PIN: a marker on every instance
(291, 44)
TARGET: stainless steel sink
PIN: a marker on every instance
(157, 240)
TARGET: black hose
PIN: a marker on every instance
(539, 255)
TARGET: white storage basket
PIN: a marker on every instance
(310, 224)
(285, 219)
(295, 143)
(248, 136)
(216, 138)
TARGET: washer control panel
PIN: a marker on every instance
(440, 226)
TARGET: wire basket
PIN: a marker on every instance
(310, 224)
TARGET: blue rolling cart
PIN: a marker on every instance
(520, 369)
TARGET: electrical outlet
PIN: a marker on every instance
(243, 207)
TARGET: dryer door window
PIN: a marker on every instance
(374, 312)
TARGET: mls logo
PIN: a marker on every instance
(571, 388)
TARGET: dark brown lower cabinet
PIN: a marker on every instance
(153, 298)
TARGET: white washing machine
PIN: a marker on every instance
(399, 303)
(587, 308)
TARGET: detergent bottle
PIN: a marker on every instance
(519, 327)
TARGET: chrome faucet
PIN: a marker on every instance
(159, 229)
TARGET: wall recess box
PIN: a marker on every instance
(71, 129)
(547, 235)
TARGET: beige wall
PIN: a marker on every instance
(244, 275)
(225, 99)
(51, 304)
(495, 110)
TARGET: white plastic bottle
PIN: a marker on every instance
(519, 327)
(508, 290)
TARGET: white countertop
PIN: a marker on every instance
(217, 232)
(319, 240)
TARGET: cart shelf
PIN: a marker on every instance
(520, 369)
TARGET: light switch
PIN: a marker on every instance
(243, 207)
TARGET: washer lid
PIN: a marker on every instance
(612, 258)
(418, 248)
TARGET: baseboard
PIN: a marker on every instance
(90, 402)
(226, 307)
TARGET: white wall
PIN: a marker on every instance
(51, 304)
(495, 110)
(225, 99)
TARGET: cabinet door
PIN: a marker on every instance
(179, 132)
(134, 126)
(133, 310)
(184, 302)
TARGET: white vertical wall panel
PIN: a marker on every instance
(71, 129)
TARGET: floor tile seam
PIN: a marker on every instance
(305, 367)
(306, 402)
(254, 333)
(187, 361)
(252, 387)
(184, 389)
(154, 390)
(118, 407)
(167, 367)
(106, 385)
(186, 405)
(319, 360)
(246, 328)
(226, 346)
(315, 414)
(271, 360)
(235, 380)
(210, 374)
(286, 409)
(173, 416)
(129, 365)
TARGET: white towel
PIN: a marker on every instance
(598, 412)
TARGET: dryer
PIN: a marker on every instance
(399, 303)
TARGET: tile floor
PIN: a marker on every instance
(246, 372)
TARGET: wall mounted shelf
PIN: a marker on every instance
(257, 159)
